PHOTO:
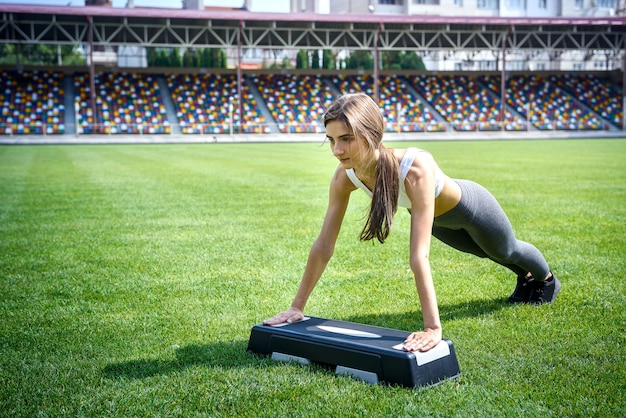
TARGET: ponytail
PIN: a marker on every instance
(384, 198)
(363, 117)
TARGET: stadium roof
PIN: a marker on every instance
(158, 27)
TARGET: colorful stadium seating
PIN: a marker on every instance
(544, 105)
(464, 103)
(208, 104)
(32, 103)
(126, 103)
(598, 93)
(296, 102)
(403, 110)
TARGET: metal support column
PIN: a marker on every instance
(624, 92)
(501, 113)
(377, 65)
(239, 77)
(92, 76)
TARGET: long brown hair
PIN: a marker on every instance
(364, 119)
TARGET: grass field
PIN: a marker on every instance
(132, 275)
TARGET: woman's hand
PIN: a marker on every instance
(289, 316)
(423, 340)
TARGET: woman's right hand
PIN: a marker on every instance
(289, 316)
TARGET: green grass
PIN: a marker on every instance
(132, 275)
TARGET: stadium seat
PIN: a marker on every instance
(598, 93)
(207, 104)
(402, 109)
(464, 102)
(126, 103)
(296, 102)
(31, 102)
(544, 105)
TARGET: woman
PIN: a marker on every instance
(460, 213)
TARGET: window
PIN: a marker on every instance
(515, 65)
(543, 4)
(487, 4)
(605, 4)
(515, 4)
(487, 65)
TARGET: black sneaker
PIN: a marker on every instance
(522, 291)
(544, 292)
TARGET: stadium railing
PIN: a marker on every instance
(288, 128)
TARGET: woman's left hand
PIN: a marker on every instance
(422, 340)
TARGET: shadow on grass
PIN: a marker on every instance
(234, 355)
(447, 312)
(229, 355)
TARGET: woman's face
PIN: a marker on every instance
(349, 150)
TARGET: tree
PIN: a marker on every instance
(391, 60)
(285, 63)
(411, 61)
(151, 55)
(360, 60)
(219, 59)
(396, 60)
(174, 58)
(190, 58)
(163, 58)
(40, 54)
(302, 60)
(206, 58)
(328, 60)
(315, 60)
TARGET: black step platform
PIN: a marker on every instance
(371, 353)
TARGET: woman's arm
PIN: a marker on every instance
(420, 189)
(322, 249)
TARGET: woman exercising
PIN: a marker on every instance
(460, 213)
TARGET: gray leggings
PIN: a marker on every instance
(479, 226)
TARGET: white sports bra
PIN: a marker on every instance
(405, 165)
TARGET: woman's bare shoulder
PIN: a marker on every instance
(341, 180)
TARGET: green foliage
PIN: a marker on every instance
(174, 57)
(219, 58)
(131, 276)
(191, 58)
(411, 61)
(360, 60)
(285, 63)
(40, 54)
(302, 59)
(328, 60)
(205, 59)
(398, 60)
(315, 60)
